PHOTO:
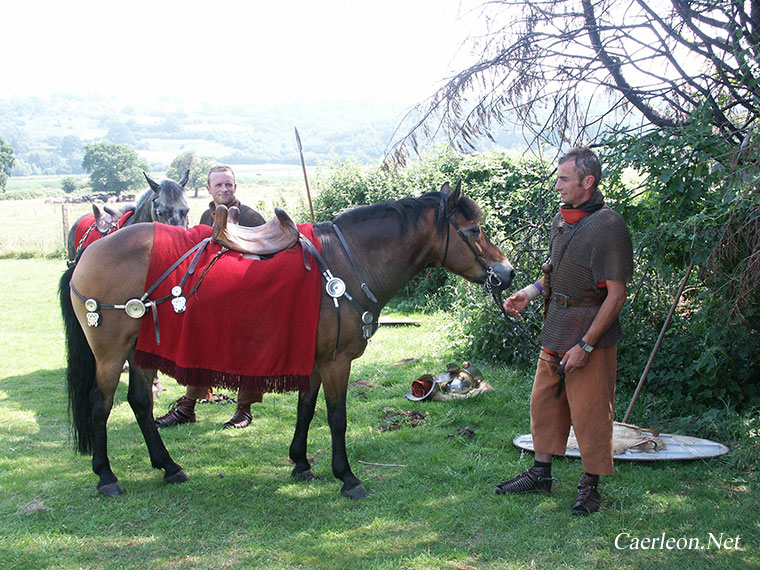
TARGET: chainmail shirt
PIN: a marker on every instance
(600, 250)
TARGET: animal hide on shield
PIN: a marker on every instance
(250, 324)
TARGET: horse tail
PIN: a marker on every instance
(80, 370)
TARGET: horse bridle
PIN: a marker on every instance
(153, 210)
(493, 282)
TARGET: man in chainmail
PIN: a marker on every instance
(584, 289)
(222, 187)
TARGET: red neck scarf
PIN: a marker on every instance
(573, 215)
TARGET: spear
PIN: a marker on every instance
(305, 178)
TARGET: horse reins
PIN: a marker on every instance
(493, 282)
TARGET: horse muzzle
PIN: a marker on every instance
(500, 276)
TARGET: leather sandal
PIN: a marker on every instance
(588, 496)
(182, 412)
(534, 480)
(241, 419)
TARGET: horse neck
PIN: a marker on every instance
(143, 209)
(387, 260)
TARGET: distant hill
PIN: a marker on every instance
(48, 134)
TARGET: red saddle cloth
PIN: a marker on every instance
(87, 231)
(250, 324)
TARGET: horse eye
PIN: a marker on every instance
(475, 231)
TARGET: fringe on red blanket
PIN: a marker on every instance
(209, 378)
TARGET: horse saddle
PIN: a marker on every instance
(277, 234)
(117, 213)
(105, 219)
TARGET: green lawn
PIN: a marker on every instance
(431, 503)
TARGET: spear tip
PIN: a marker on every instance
(298, 139)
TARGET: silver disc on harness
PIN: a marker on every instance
(176, 291)
(91, 305)
(335, 287)
(135, 308)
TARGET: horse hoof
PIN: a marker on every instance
(111, 489)
(358, 492)
(307, 475)
(178, 477)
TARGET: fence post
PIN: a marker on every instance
(65, 219)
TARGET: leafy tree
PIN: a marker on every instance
(120, 132)
(199, 168)
(6, 163)
(113, 168)
(69, 184)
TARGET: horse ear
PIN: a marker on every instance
(152, 184)
(445, 188)
(455, 196)
(185, 178)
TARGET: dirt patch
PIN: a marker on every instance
(396, 419)
(32, 507)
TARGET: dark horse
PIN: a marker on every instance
(165, 203)
(390, 242)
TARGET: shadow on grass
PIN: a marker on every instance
(242, 507)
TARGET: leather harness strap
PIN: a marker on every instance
(363, 285)
(336, 288)
(144, 301)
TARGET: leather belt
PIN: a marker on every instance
(565, 301)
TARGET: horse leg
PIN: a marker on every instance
(107, 378)
(335, 380)
(306, 406)
(140, 398)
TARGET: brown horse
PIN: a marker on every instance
(389, 243)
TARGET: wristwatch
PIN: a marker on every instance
(585, 346)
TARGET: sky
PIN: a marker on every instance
(226, 51)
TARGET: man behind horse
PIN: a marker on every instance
(222, 187)
(584, 290)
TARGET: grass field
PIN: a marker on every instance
(36, 228)
(431, 504)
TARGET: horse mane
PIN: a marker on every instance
(409, 210)
(143, 202)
